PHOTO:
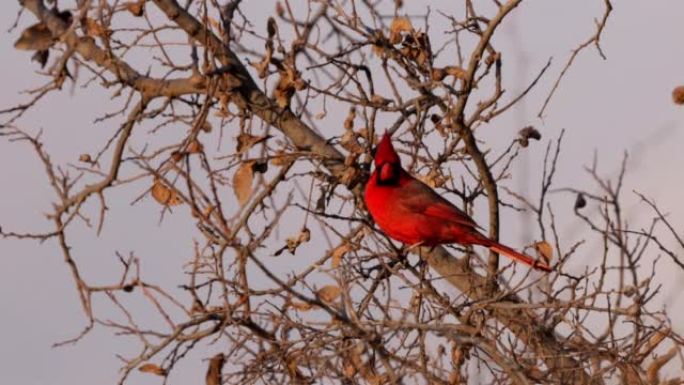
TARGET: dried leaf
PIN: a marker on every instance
(195, 147)
(41, 57)
(164, 194)
(399, 25)
(85, 158)
(136, 8)
(247, 141)
(433, 179)
(206, 126)
(544, 251)
(339, 252)
(677, 94)
(301, 306)
(655, 340)
(293, 242)
(279, 9)
(580, 201)
(526, 134)
(242, 182)
(438, 74)
(328, 293)
(152, 368)
(349, 370)
(379, 100)
(455, 71)
(214, 371)
(349, 120)
(93, 28)
(35, 38)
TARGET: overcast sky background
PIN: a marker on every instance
(607, 107)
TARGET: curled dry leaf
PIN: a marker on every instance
(379, 100)
(206, 126)
(85, 158)
(455, 71)
(433, 179)
(294, 241)
(242, 182)
(93, 28)
(164, 194)
(677, 95)
(35, 38)
(349, 120)
(136, 8)
(544, 251)
(399, 25)
(195, 147)
(214, 371)
(438, 74)
(328, 293)
(301, 306)
(152, 368)
(338, 253)
(279, 9)
(289, 82)
(580, 201)
(655, 340)
(526, 134)
(246, 141)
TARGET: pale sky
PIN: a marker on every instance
(620, 104)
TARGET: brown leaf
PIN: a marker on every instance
(206, 126)
(301, 306)
(293, 242)
(35, 38)
(338, 253)
(677, 94)
(279, 9)
(246, 141)
(93, 28)
(349, 121)
(242, 182)
(438, 74)
(152, 368)
(528, 133)
(165, 195)
(379, 100)
(328, 293)
(399, 25)
(455, 71)
(136, 8)
(195, 147)
(544, 251)
(214, 370)
(655, 340)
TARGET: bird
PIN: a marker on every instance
(409, 211)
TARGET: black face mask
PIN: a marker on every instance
(388, 174)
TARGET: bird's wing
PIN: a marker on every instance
(421, 199)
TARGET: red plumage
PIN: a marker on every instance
(409, 211)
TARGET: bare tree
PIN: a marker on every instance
(205, 102)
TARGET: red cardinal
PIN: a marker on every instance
(409, 211)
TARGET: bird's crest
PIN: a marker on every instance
(385, 152)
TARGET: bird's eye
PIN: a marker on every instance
(373, 151)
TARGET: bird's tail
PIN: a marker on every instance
(519, 257)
